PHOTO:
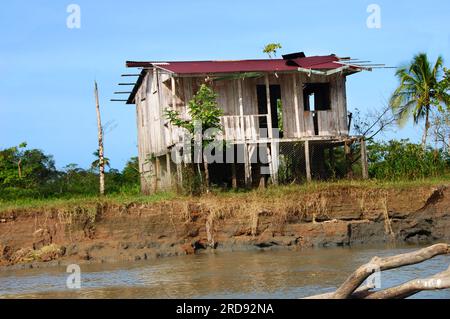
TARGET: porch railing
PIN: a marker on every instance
(244, 128)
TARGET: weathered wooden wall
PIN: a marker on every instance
(156, 94)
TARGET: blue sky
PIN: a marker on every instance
(47, 70)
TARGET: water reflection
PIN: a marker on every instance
(270, 274)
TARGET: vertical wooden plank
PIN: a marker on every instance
(301, 104)
(274, 155)
(269, 106)
(174, 106)
(157, 174)
(241, 109)
(364, 160)
(308, 162)
(248, 132)
(332, 160)
(233, 175)
(296, 106)
(253, 128)
(169, 169)
(275, 161)
(348, 158)
(247, 166)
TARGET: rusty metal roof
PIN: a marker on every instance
(234, 66)
(290, 63)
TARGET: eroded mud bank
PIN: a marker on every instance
(296, 220)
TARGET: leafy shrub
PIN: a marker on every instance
(395, 160)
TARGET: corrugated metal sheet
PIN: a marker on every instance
(327, 62)
(266, 65)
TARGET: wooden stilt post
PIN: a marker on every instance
(275, 162)
(155, 174)
(174, 106)
(248, 165)
(269, 107)
(273, 148)
(169, 170)
(332, 160)
(348, 158)
(233, 176)
(364, 160)
(241, 132)
(307, 162)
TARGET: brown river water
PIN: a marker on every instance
(250, 274)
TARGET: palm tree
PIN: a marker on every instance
(96, 164)
(418, 91)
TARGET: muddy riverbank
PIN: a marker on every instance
(105, 233)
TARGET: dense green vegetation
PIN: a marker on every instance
(403, 160)
(30, 173)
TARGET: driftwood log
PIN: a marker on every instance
(352, 289)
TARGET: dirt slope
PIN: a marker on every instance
(344, 216)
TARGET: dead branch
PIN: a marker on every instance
(349, 289)
(436, 282)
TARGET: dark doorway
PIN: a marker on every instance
(275, 103)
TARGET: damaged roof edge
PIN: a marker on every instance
(136, 87)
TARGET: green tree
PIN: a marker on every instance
(203, 109)
(130, 172)
(26, 172)
(420, 89)
(399, 160)
(271, 49)
(96, 164)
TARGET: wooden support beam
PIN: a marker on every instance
(248, 166)
(332, 159)
(364, 160)
(275, 162)
(174, 106)
(348, 158)
(308, 162)
(296, 106)
(269, 106)
(169, 169)
(233, 176)
(273, 146)
(157, 175)
(241, 110)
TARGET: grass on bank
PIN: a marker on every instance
(271, 191)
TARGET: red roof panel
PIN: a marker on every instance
(265, 65)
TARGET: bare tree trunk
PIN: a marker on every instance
(100, 144)
(351, 287)
(427, 126)
(436, 282)
(19, 168)
(205, 164)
